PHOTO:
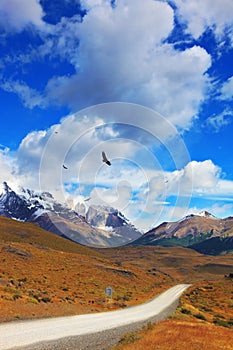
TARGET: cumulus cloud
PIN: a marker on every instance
(119, 53)
(135, 183)
(122, 58)
(200, 15)
(9, 170)
(201, 177)
(6, 165)
(15, 15)
(78, 142)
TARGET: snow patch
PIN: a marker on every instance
(39, 212)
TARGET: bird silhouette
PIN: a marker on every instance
(65, 167)
(105, 159)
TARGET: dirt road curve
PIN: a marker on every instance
(85, 331)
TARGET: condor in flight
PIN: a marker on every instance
(105, 159)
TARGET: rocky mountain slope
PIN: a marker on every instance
(42, 208)
(109, 219)
(203, 232)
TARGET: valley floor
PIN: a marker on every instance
(42, 275)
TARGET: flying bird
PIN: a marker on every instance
(65, 167)
(105, 159)
(87, 199)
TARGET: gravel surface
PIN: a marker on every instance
(101, 340)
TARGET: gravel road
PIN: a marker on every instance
(155, 310)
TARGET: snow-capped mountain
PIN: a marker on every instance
(41, 208)
(202, 232)
(112, 220)
(206, 214)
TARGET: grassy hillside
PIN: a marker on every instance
(24, 232)
(180, 265)
(42, 274)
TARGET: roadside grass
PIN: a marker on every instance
(203, 320)
(176, 335)
(210, 301)
(39, 283)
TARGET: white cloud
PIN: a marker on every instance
(30, 97)
(217, 122)
(6, 165)
(201, 177)
(9, 171)
(119, 54)
(227, 90)
(121, 57)
(15, 15)
(78, 142)
(136, 183)
(221, 210)
(200, 15)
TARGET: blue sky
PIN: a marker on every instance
(150, 82)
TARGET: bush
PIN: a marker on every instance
(222, 323)
(185, 311)
(32, 300)
(206, 309)
(46, 299)
(129, 338)
(200, 316)
(17, 296)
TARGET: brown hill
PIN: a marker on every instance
(28, 233)
(42, 274)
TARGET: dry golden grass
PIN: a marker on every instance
(24, 232)
(177, 335)
(180, 265)
(51, 276)
(43, 275)
(209, 300)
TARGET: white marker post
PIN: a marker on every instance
(108, 291)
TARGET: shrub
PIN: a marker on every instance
(222, 323)
(206, 309)
(200, 316)
(129, 338)
(185, 311)
(32, 300)
(46, 299)
(17, 296)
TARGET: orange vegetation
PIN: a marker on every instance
(50, 276)
(43, 275)
(177, 335)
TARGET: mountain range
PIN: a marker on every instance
(107, 227)
(103, 226)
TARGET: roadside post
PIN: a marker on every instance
(108, 291)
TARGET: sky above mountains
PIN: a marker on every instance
(150, 82)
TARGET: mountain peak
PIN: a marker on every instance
(5, 188)
(206, 214)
